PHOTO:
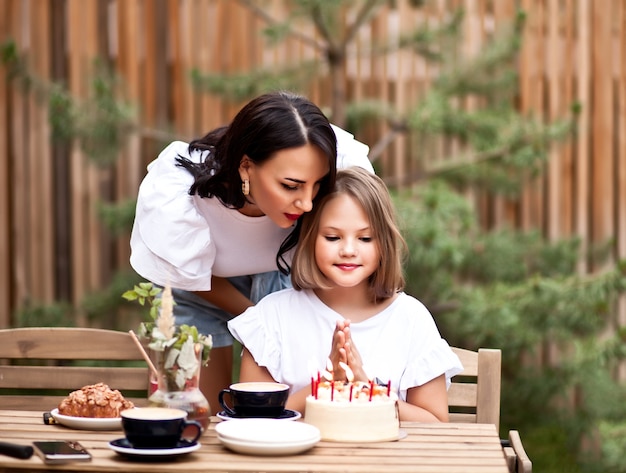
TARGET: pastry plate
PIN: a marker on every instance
(267, 432)
(124, 448)
(287, 414)
(256, 448)
(87, 423)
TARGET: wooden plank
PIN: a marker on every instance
(621, 167)
(583, 139)
(35, 343)
(554, 57)
(602, 204)
(41, 225)
(5, 189)
(50, 377)
(21, 278)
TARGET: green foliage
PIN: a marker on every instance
(516, 291)
(238, 87)
(613, 445)
(58, 314)
(101, 122)
(145, 293)
(117, 217)
(102, 307)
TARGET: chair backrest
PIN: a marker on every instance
(474, 395)
(41, 366)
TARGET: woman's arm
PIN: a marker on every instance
(226, 296)
(426, 403)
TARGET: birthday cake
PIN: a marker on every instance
(353, 412)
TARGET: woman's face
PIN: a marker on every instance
(284, 186)
(346, 250)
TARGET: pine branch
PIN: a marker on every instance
(267, 18)
(362, 16)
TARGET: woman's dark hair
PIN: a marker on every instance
(267, 124)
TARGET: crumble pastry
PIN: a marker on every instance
(96, 400)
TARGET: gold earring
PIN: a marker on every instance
(245, 187)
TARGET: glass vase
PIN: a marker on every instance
(178, 384)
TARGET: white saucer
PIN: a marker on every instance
(268, 432)
(124, 448)
(287, 414)
(254, 448)
(87, 423)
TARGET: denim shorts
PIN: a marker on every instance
(192, 309)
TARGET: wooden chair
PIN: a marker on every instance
(474, 397)
(41, 366)
(515, 454)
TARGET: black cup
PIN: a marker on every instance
(157, 427)
(255, 399)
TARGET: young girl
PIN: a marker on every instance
(346, 305)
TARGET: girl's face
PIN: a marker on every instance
(346, 250)
(284, 186)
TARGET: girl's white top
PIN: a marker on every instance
(290, 332)
(182, 239)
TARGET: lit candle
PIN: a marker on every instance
(347, 370)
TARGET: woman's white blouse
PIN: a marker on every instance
(182, 239)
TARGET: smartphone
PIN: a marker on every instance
(61, 451)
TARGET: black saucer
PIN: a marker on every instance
(287, 414)
(125, 448)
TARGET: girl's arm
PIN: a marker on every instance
(226, 296)
(426, 403)
(250, 371)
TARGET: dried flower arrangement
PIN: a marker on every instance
(180, 345)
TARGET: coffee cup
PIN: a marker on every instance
(254, 399)
(157, 427)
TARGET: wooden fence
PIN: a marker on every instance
(52, 244)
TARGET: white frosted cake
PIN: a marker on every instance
(348, 413)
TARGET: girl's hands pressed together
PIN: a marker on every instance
(345, 351)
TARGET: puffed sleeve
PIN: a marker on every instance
(171, 240)
(253, 330)
(351, 152)
(433, 360)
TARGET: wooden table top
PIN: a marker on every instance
(427, 448)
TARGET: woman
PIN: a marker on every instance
(218, 217)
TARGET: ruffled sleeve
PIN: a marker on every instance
(351, 152)
(252, 329)
(171, 240)
(431, 362)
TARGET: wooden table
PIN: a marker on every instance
(433, 448)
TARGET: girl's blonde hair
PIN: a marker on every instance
(371, 193)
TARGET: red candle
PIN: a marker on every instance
(332, 390)
(351, 386)
(312, 386)
(388, 388)
(371, 389)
